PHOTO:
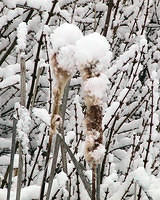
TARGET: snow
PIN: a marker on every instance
(122, 94)
(16, 161)
(11, 14)
(101, 7)
(4, 160)
(9, 81)
(109, 112)
(154, 188)
(63, 40)
(73, 50)
(66, 34)
(23, 126)
(131, 126)
(96, 86)
(142, 40)
(9, 70)
(98, 153)
(119, 63)
(42, 114)
(5, 143)
(3, 21)
(62, 179)
(149, 183)
(70, 137)
(12, 4)
(3, 193)
(40, 4)
(27, 193)
(21, 36)
(86, 51)
(88, 173)
(65, 58)
(142, 178)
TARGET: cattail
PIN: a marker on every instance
(63, 64)
(62, 77)
(93, 119)
(91, 54)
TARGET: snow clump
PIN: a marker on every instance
(63, 40)
(92, 48)
(66, 34)
(21, 36)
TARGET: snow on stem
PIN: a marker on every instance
(21, 41)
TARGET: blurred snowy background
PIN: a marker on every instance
(130, 169)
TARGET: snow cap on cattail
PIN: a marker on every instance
(63, 40)
(93, 48)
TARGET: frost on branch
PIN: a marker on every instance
(91, 65)
(23, 126)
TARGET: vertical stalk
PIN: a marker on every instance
(13, 147)
(30, 178)
(23, 81)
(135, 191)
(106, 26)
(62, 78)
(20, 171)
(98, 183)
(62, 113)
(40, 70)
(22, 102)
(53, 167)
(94, 182)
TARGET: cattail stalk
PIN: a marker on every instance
(93, 125)
(62, 77)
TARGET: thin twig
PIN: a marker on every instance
(108, 16)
